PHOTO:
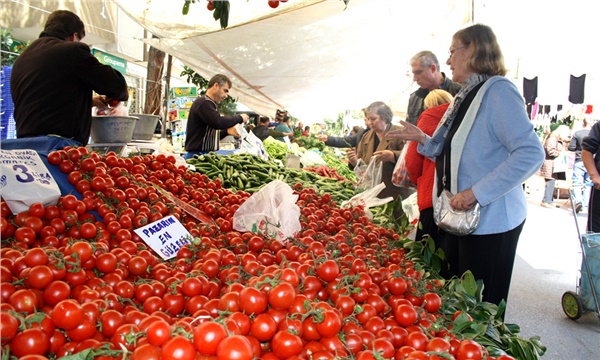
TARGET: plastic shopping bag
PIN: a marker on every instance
(25, 180)
(411, 207)
(400, 176)
(272, 212)
(368, 199)
(368, 175)
(252, 145)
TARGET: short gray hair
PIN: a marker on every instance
(219, 79)
(426, 58)
(382, 109)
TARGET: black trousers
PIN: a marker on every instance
(428, 227)
(489, 257)
(593, 224)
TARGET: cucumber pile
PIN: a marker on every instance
(249, 173)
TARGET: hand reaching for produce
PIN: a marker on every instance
(322, 137)
(408, 132)
(352, 158)
(100, 101)
(245, 118)
(233, 132)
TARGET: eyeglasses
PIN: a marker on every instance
(451, 51)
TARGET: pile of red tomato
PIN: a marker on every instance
(76, 278)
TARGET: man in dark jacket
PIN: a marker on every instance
(53, 79)
(426, 73)
(262, 130)
(205, 126)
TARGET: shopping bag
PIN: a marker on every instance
(368, 175)
(272, 212)
(252, 145)
(25, 180)
(368, 199)
(411, 207)
(241, 130)
(400, 176)
(560, 163)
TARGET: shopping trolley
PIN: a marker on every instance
(574, 304)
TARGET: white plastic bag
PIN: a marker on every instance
(368, 199)
(311, 158)
(119, 110)
(410, 207)
(241, 131)
(252, 145)
(368, 175)
(272, 211)
(25, 180)
(400, 176)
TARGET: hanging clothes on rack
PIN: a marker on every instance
(577, 89)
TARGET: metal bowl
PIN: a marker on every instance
(112, 129)
(144, 128)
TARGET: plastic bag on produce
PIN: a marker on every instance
(368, 199)
(368, 175)
(252, 145)
(272, 211)
(26, 180)
(119, 110)
(311, 158)
(241, 131)
(410, 207)
(400, 176)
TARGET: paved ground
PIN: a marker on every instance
(547, 265)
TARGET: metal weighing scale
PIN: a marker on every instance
(136, 147)
(142, 147)
(103, 148)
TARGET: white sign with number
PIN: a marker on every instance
(165, 236)
(25, 179)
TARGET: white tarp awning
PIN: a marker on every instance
(318, 58)
(310, 57)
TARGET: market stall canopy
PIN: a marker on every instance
(312, 58)
(319, 58)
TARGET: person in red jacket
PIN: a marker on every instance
(422, 170)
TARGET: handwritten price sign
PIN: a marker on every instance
(165, 236)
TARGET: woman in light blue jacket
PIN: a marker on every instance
(484, 148)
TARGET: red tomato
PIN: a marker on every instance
(282, 296)
(469, 350)
(432, 302)
(208, 336)
(9, 327)
(110, 321)
(24, 300)
(67, 315)
(328, 270)
(178, 348)
(236, 347)
(158, 332)
(40, 276)
(252, 301)
(145, 352)
(405, 315)
(263, 327)
(331, 324)
(32, 341)
(285, 344)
